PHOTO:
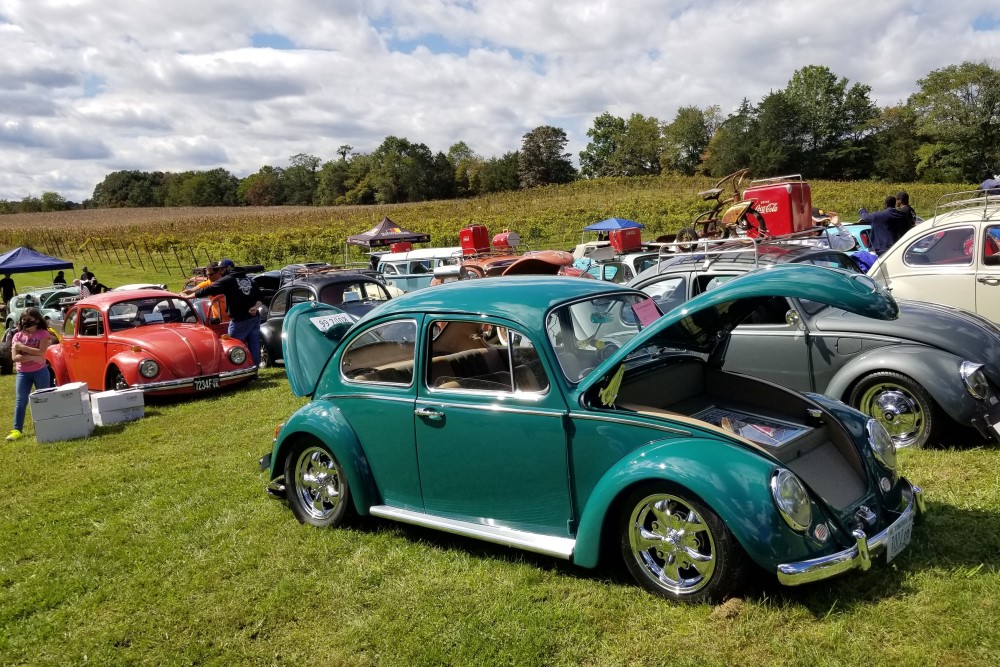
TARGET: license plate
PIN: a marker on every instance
(203, 384)
(899, 537)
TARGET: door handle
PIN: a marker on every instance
(76, 346)
(988, 280)
(430, 413)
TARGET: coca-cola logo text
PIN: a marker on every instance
(769, 207)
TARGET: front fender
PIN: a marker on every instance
(733, 481)
(128, 363)
(325, 422)
(936, 371)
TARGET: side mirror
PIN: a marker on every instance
(262, 311)
(793, 319)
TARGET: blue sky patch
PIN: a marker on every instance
(270, 40)
(93, 85)
(434, 43)
(986, 23)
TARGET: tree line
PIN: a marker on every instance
(820, 125)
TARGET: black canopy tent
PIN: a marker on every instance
(26, 260)
(386, 233)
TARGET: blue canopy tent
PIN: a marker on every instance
(612, 224)
(25, 260)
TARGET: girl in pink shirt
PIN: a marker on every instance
(28, 351)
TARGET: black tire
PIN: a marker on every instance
(686, 235)
(316, 487)
(900, 404)
(265, 356)
(677, 547)
(753, 220)
(6, 363)
(115, 380)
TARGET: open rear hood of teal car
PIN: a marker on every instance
(704, 323)
(310, 333)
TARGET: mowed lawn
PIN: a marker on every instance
(154, 543)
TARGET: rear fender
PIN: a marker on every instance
(324, 421)
(733, 481)
(936, 371)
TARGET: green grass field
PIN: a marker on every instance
(154, 543)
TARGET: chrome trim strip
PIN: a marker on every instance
(630, 422)
(493, 407)
(372, 397)
(189, 382)
(559, 547)
(857, 557)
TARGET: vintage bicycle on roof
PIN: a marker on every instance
(731, 215)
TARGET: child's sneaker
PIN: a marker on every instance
(15, 435)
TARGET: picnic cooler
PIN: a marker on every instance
(785, 202)
(114, 407)
(401, 246)
(506, 240)
(61, 413)
(626, 240)
(474, 240)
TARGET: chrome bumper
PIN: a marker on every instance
(857, 557)
(169, 385)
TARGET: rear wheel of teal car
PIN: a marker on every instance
(900, 404)
(317, 489)
(677, 547)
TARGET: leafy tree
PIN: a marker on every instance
(686, 138)
(639, 151)
(358, 184)
(216, 187)
(774, 147)
(598, 158)
(497, 174)
(121, 189)
(264, 188)
(300, 179)
(895, 145)
(730, 147)
(465, 163)
(53, 201)
(543, 159)
(31, 205)
(957, 113)
(331, 188)
(402, 171)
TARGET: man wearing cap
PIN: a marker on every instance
(86, 275)
(242, 302)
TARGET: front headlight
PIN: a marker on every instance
(149, 368)
(881, 443)
(975, 380)
(791, 499)
(238, 355)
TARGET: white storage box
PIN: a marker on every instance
(65, 401)
(114, 407)
(64, 428)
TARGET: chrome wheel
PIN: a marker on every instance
(899, 404)
(672, 544)
(265, 356)
(319, 487)
(116, 380)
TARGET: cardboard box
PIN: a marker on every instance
(104, 401)
(108, 417)
(63, 428)
(65, 401)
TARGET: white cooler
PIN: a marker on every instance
(61, 413)
(114, 407)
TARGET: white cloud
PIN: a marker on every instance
(91, 86)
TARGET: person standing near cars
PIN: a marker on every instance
(28, 352)
(7, 288)
(903, 204)
(243, 302)
(888, 225)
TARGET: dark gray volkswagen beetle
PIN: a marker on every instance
(933, 365)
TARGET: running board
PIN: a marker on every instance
(559, 547)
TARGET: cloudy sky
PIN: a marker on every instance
(88, 87)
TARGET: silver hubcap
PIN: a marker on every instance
(896, 409)
(672, 543)
(318, 483)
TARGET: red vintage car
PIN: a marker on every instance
(151, 340)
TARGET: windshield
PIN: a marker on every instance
(585, 333)
(154, 310)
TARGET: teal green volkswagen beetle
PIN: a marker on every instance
(559, 416)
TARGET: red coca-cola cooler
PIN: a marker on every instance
(506, 240)
(401, 246)
(474, 240)
(626, 240)
(785, 202)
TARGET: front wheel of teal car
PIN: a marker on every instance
(677, 547)
(317, 487)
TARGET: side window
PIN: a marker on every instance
(382, 354)
(300, 295)
(278, 303)
(834, 261)
(991, 245)
(951, 247)
(69, 326)
(668, 293)
(772, 311)
(474, 357)
(91, 323)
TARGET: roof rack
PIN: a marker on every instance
(965, 200)
(703, 247)
(775, 180)
(294, 272)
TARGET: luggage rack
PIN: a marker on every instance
(703, 248)
(776, 180)
(954, 202)
(295, 272)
